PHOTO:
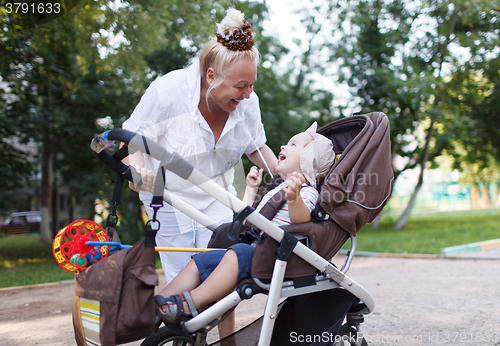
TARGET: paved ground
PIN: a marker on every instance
(420, 301)
(442, 301)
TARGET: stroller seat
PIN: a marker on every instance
(352, 194)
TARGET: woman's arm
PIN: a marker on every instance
(136, 160)
(268, 155)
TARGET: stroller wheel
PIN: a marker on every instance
(167, 337)
(348, 336)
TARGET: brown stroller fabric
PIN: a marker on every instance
(353, 193)
(114, 298)
(360, 182)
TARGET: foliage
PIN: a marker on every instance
(57, 87)
(64, 77)
(403, 59)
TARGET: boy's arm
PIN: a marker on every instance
(254, 178)
(298, 210)
(249, 196)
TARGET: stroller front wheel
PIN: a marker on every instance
(348, 336)
(167, 337)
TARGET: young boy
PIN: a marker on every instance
(211, 275)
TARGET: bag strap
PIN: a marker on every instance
(156, 204)
(112, 218)
(153, 225)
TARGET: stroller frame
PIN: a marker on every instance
(329, 276)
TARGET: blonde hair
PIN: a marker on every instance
(219, 53)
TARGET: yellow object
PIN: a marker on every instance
(89, 313)
(182, 249)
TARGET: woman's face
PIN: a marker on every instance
(289, 157)
(237, 86)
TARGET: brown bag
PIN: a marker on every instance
(114, 298)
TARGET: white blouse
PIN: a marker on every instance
(168, 114)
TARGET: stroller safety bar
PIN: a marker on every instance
(176, 164)
(183, 249)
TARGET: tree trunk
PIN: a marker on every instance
(46, 192)
(55, 209)
(474, 196)
(485, 195)
(403, 219)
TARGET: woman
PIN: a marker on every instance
(209, 114)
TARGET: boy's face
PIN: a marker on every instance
(289, 157)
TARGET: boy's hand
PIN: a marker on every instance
(254, 177)
(293, 185)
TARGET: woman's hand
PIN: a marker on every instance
(293, 184)
(148, 178)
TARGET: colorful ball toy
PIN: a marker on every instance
(70, 249)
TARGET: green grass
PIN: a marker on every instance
(428, 233)
(25, 262)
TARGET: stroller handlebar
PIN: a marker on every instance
(135, 142)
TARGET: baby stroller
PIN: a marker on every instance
(291, 262)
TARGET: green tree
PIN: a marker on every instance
(400, 59)
(47, 70)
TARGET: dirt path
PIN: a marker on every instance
(419, 302)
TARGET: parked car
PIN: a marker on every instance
(22, 223)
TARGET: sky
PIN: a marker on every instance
(285, 25)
